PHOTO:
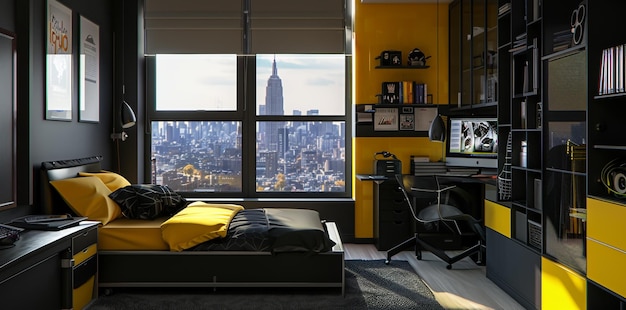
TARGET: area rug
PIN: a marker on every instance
(370, 284)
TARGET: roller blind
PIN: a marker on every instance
(230, 26)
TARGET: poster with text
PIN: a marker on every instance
(58, 62)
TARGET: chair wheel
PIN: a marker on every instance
(418, 255)
(386, 262)
(449, 267)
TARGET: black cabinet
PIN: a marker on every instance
(473, 53)
(392, 218)
(50, 269)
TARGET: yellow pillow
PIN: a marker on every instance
(197, 223)
(112, 180)
(88, 196)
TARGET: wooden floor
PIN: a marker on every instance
(465, 286)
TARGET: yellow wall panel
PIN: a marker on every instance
(605, 222)
(498, 218)
(606, 266)
(402, 27)
(561, 288)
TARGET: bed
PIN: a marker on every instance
(129, 257)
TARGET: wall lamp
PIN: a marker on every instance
(127, 120)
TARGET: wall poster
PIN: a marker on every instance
(58, 62)
(89, 71)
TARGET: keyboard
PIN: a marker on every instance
(9, 234)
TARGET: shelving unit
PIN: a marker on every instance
(605, 249)
(366, 128)
(564, 133)
(473, 54)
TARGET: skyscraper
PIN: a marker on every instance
(273, 106)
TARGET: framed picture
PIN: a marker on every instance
(424, 117)
(407, 121)
(89, 71)
(386, 119)
(58, 62)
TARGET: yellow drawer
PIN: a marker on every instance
(605, 265)
(84, 294)
(85, 254)
(561, 288)
(498, 218)
(605, 223)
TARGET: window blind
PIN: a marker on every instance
(252, 26)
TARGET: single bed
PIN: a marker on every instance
(131, 254)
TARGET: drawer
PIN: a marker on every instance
(605, 223)
(85, 254)
(80, 242)
(85, 286)
(605, 266)
(394, 215)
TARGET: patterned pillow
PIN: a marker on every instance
(148, 201)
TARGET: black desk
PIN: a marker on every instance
(41, 271)
(392, 220)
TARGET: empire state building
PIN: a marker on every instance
(273, 131)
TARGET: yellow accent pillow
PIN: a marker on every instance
(112, 180)
(88, 196)
(197, 223)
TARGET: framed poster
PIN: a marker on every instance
(407, 121)
(89, 71)
(386, 119)
(58, 62)
(424, 117)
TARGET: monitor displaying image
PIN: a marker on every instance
(473, 142)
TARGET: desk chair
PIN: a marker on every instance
(444, 216)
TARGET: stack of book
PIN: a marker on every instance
(404, 92)
(421, 165)
(612, 70)
(519, 43)
(561, 40)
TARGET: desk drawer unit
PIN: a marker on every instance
(392, 218)
(85, 268)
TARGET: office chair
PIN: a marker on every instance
(443, 216)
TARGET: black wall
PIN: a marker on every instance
(44, 140)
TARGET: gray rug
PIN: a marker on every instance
(369, 285)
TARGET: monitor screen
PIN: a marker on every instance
(472, 142)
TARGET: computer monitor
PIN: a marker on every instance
(472, 142)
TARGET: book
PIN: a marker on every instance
(392, 92)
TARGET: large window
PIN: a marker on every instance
(205, 140)
(250, 98)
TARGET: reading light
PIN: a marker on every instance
(437, 130)
(127, 118)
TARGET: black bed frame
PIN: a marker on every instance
(199, 268)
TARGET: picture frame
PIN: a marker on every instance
(424, 116)
(89, 72)
(386, 119)
(407, 122)
(59, 60)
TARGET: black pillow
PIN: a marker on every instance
(148, 201)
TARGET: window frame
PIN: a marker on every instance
(246, 114)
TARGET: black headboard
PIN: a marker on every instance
(51, 202)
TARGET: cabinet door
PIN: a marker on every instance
(455, 53)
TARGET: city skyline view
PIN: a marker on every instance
(302, 156)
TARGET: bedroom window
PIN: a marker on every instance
(258, 106)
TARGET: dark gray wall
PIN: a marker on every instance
(44, 140)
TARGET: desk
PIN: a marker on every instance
(50, 269)
(393, 222)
